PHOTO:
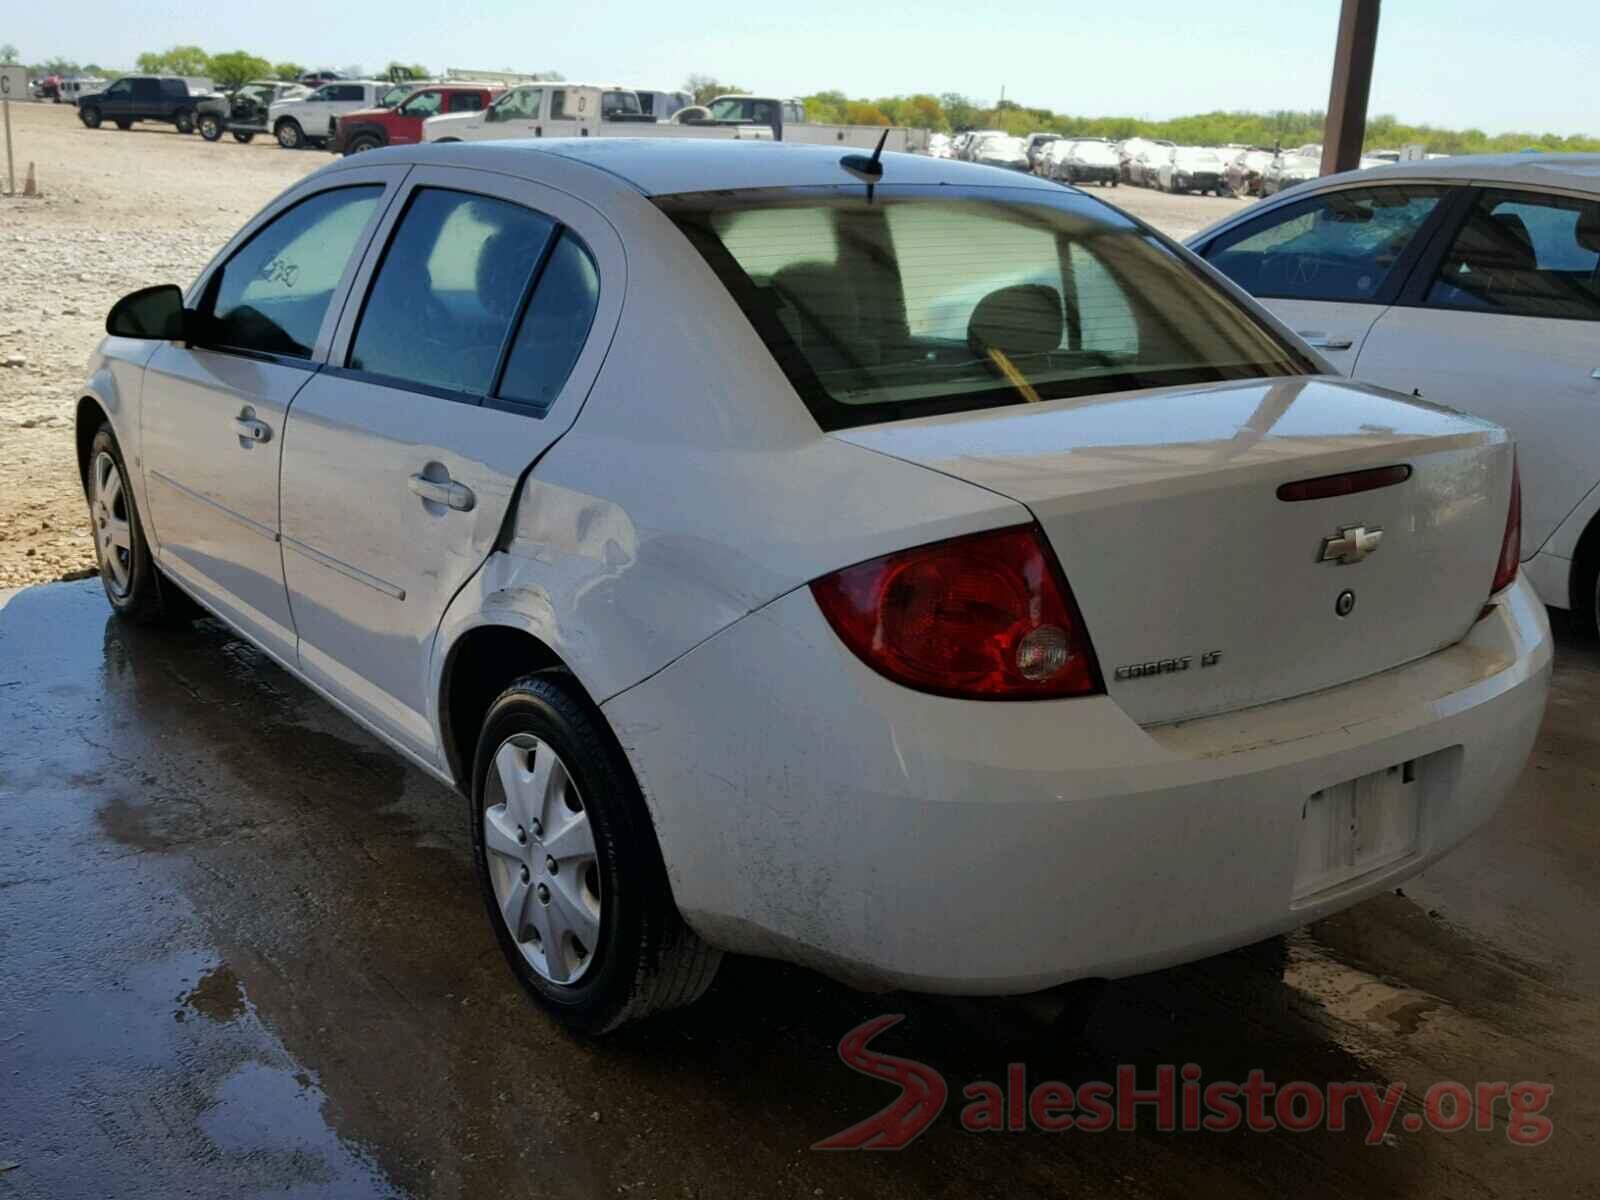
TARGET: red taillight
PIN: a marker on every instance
(1505, 572)
(985, 617)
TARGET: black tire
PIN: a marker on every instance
(289, 134)
(211, 127)
(145, 597)
(184, 120)
(361, 143)
(90, 116)
(647, 960)
(124, 124)
(242, 136)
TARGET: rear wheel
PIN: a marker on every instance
(242, 137)
(210, 127)
(184, 121)
(132, 582)
(569, 867)
(124, 124)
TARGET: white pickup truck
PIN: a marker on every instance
(611, 110)
(309, 120)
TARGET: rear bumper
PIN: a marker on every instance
(810, 810)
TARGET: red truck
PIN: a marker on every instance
(401, 125)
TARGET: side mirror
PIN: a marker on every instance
(155, 313)
(491, 114)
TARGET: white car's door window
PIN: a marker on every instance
(1341, 246)
(444, 299)
(1524, 255)
(272, 295)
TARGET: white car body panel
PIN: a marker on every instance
(678, 499)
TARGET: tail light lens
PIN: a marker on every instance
(1505, 573)
(984, 617)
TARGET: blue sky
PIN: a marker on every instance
(1494, 65)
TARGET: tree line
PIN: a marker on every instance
(951, 112)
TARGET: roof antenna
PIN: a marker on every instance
(869, 169)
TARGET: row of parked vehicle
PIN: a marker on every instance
(350, 116)
(1232, 170)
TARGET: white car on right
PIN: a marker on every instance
(1471, 281)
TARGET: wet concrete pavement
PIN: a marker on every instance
(242, 953)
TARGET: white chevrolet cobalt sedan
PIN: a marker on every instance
(922, 573)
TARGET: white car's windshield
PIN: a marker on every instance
(942, 299)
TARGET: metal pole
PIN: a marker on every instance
(1352, 81)
(11, 174)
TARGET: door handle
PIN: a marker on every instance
(1595, 374)
(1322, 341)
(447, 492)
(252, 430)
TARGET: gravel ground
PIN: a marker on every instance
(125, 210)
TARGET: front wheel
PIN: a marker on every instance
(289, 134)
(211, 127)
(569, 867)
(131, 579)
(90, 116)
(242, 137)
(362, 143)
(184, 121)
(124, 125)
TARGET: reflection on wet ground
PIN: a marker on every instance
(241, 953)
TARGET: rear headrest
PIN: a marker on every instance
(1024, 319)
(1588, 230)
(814, 289)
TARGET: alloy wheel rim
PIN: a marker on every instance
(541, 857)
(113, 532)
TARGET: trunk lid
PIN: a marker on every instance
(1204, 592)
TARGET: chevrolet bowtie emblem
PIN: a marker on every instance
(1351, 544)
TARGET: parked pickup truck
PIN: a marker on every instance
(567, 109)
(310, 121)
(243, 112)
(370, 128)
(164, 98)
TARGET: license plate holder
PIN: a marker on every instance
(1354, 828)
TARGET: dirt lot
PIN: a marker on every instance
(125, 210)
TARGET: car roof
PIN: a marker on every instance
(667, 166)
(1560, 170)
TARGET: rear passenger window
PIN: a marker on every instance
(466, 102)
(1524, 255)
(448, 290)
(555, 328)
(271, 296)
(1340, 246)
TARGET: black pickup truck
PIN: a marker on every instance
(163, 98)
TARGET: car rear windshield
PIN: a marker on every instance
(919, 300)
